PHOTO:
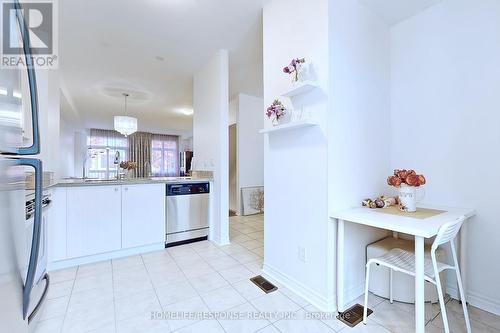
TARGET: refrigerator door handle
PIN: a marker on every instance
(37, 224)
(35, 146)
(42, 299)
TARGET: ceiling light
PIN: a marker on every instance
(17, 94)
(124, 124)
(186, 111)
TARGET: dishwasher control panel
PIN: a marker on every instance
(187, 189)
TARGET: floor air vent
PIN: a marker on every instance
(263, 284)
(353, 316)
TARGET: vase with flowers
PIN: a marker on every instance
(293, 68)
(276, 111)
(407, 182)
(128, 167)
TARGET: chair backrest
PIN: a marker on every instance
(448, 232)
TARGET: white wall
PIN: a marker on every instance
(66, 150)
(250, 145)
(81, 151)
(210, 137)
(359, 132)
(186, 143)
(295, 170)
(445, 121)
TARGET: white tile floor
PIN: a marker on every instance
(192, 281)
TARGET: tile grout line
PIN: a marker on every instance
(199, 295)
(113, 288)
(154, 287)
(69, 299)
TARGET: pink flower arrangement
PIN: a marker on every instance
(276, 110)
(293, 68)
(408, 177)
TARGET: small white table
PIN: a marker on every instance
(419, 228)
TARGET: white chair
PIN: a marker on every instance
(404, 261)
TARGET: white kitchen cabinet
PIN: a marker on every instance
(93, 220)
(143, 214)
(57, 227)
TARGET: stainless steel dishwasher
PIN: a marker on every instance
(187, 213)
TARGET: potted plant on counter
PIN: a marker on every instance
(128, 167)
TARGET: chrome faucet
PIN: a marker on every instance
(117, 163)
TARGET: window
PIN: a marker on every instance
(164, 155)
(102, 147)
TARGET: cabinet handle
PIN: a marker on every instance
(116, 189)
(126, 188)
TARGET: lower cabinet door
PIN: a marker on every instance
(93, 220)
(143, 214)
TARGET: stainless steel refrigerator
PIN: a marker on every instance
(185, 158)
(21, 294)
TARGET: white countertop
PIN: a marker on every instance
(74, 182)
(132, 181)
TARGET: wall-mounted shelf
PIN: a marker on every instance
(300, 88)
(288, 126)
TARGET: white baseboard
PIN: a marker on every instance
(218, 240)
(104, 256)
(482, 302)
(353, 292)
(318, 300)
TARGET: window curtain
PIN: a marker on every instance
(106, 138)
(165, 155)
(139, 148)
(102, 147)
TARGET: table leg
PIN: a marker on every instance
(419, 285)
(463, 257)
(340, 265)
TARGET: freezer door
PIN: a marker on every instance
(19, 132)
(12, 247)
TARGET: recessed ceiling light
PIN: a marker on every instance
(185, 111)
(17, 94)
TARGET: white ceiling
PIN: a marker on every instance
(151, 49)
(394, 11)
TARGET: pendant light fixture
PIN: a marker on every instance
(124, 124)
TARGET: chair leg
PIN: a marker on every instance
(391, 274)
(440, 294)
(367, 283)
(461, 289)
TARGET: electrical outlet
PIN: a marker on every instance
(302, 254)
